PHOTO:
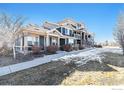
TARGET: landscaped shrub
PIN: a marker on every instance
(36, 49)
(95, 45)
(75, 48)
(52, 49)
(67, 48)
(5, 50)
(81, 47)
(98, 46)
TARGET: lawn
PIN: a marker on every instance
(109, 72)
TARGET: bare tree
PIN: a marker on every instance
(9, 25)
(119, 31)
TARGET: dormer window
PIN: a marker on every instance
(59, 29)
(73, 26)
(63, 30)
(78, 26)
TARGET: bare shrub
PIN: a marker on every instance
(81, 47)
(36, 49)
(67, 48)
(5, 50)
(119, 31)
(9, 26)
(52, 49)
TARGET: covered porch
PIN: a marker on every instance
(40, 39)
(27, 39)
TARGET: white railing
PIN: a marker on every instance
(78, 36)
(22, 48)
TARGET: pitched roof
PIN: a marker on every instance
(49, 25)
(34, 28)
(70, 21)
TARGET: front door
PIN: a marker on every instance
(62, 41)
(41, 41)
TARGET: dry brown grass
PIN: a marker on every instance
(110, 72)
(115, 77)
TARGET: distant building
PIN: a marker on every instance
(110, 43)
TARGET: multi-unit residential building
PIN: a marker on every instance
(61, 33)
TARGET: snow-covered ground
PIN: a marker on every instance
(80, 57)
(38, 61)
(83, 57)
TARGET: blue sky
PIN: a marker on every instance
(99, 18)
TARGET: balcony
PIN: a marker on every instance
(77, 36)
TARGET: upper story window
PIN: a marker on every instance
(71, 33)
(66, 31)
(59, 29)
(89, 36)
(78, 26)
(63, 30)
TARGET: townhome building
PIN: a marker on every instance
(61, 33)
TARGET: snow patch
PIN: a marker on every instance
(83, 57)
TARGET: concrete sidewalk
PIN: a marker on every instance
(39, 61)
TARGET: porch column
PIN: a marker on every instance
(58, 41)
(75, 41)
(47, 40)
(44, 41)
(61, 30)
(84, 37)
(21, 40)
(25, 43)
(38, 41)
(81, 39)
(65, 41)
(25, 40)
(87, 37)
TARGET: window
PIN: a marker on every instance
(63, 30)
(30, 43)
(78, 26)
(89, 36)
(54, 41)
(18, 42)
(36, 41)
(71, 33)
(66, 31)
(59, 29)
(67, 41)
(17, 48)
(29, 38)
